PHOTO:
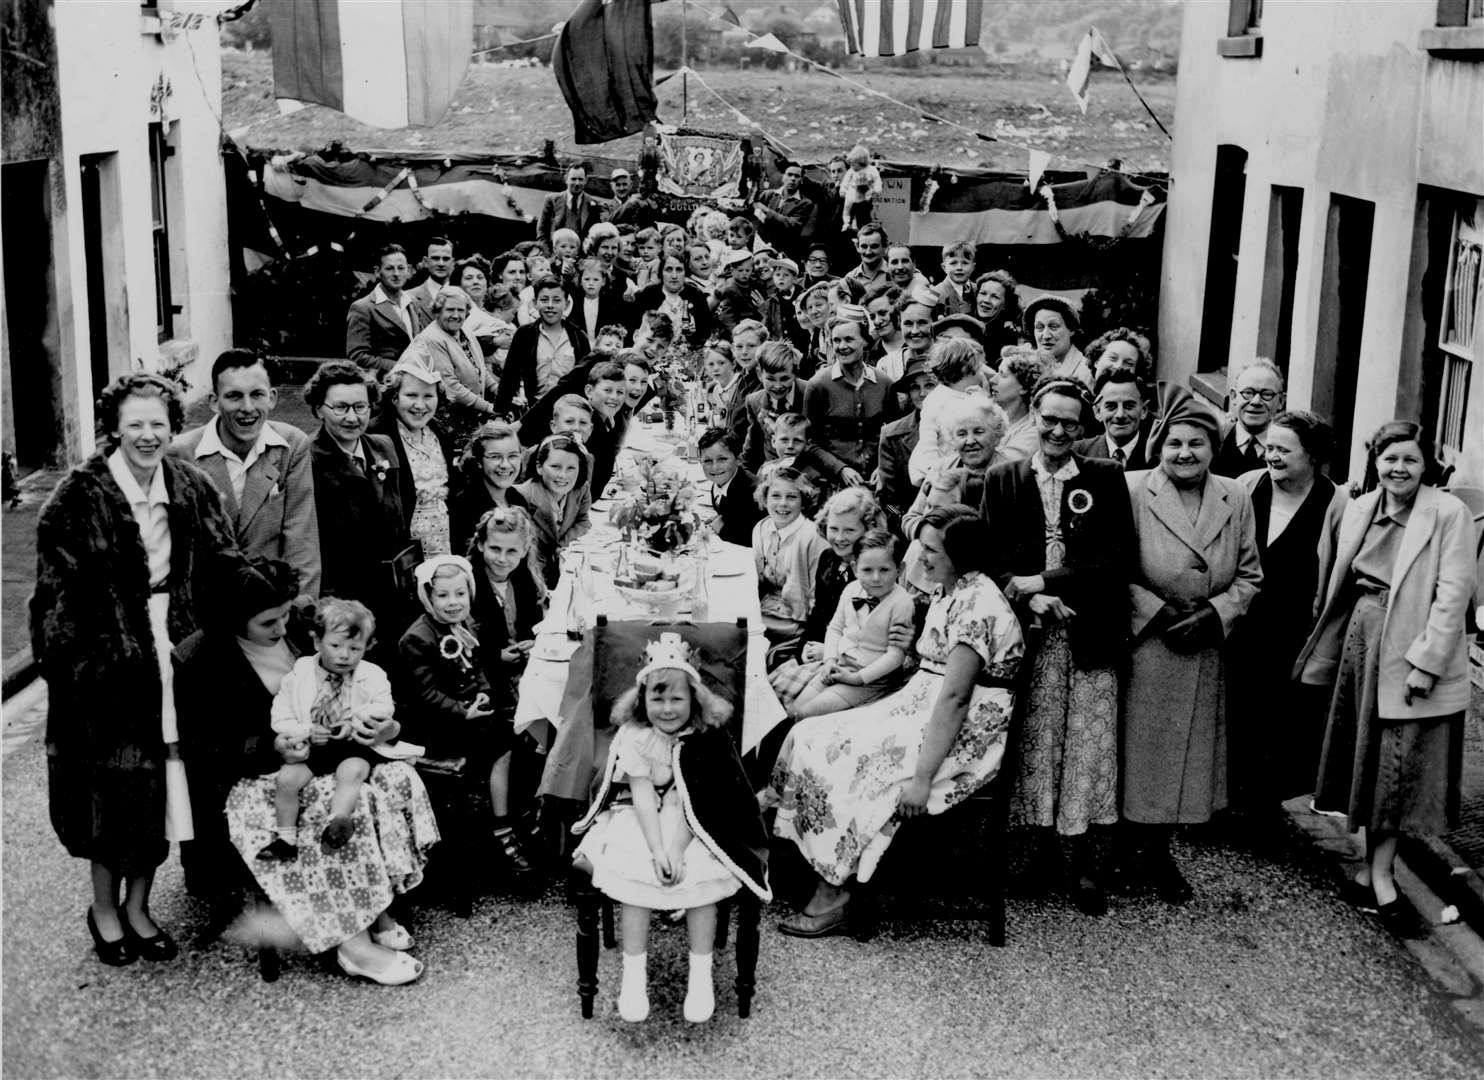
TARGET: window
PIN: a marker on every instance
(1458, 328)
(159, 152)
(1243, 29)
(1459, 12)
(1280, 270)
(1342, 309)
(1228, 193)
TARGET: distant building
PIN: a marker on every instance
(115, 217)
(1328, 212)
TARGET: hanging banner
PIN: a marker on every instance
(700, 165)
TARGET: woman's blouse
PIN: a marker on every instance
(151, 511)
(1050, 485)
(974, 613)
(1021, 439)
(270, 663)
(430, 478)
(1378, 548)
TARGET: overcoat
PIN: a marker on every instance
(1432, 584)
(1174, 715)
(90, 632)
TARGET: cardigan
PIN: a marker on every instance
(800, 556)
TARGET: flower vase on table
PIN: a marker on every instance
(655, 569)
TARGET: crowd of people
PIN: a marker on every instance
(980, 548)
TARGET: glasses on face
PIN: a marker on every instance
(817, 259)
(1051, 423)
(342, 408)
(1251, 394)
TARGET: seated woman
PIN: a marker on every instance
(240, 663)
(844, 782)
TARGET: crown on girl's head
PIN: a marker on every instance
(669, 651)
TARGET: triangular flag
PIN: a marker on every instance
(728, 15)
(769, 42)
(1039, 160)
(1081, 69)
(1101, 49)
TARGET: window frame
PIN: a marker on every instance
(160, 151)
(1243, 30)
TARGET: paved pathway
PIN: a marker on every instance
(1265, 974)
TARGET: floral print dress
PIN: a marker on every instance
(838, 776)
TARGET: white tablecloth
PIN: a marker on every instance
(732, 589)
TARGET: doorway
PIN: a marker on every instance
(31, 330)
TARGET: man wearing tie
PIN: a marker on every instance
(1257, 399)
(572, 209)
(1118, 402)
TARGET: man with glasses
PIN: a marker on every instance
(1257, 399)
(817, 266)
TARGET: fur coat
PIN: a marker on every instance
(90, 632)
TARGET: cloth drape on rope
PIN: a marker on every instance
(604, 64)
(393, 64)
(894, 27)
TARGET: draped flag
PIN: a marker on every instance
(604, 63)
(894, 27)
(390, 63)
(1092, 45)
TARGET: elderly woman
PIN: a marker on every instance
(492, 332)
(1063, 545)
(445, 348)
(844, 782)
(226, 676)
(1396, 578)
(974, 430)
(1197, 572)
(1011, 386)
(129, 548)
(958, 365)
(997, 305)
(358, 496)
(1049, 322)
(1275, 751)
(410, 396)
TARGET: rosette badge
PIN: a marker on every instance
(1079, 501)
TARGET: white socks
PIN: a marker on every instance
(700, 998)
(633, 994)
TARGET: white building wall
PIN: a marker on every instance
(108, 68)
(1332, 106)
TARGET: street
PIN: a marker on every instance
(1266, 973)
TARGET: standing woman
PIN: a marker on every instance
(128, 550)
(1049, 323)
(1397, 573)
(1011, 386)
(1197, 572)
(1275, 751)
(357, 493)
(997, 306)
(677, 297)
(410, 396)
(467, 382)
(1063, 545)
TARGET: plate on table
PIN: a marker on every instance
(554, 648)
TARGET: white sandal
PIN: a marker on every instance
(403, 969)
(396, 938)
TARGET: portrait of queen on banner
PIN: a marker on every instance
(706, 166)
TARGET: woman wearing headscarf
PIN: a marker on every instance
(1197, 572)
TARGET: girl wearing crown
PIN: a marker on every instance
(675, 824)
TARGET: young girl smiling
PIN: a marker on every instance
(559, 500)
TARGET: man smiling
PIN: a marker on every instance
(261, 467)
(1257, 399)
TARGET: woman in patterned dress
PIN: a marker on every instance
(845, 782)
(1064, 542)
(411, 396)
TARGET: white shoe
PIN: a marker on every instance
(633, 994)
(700, 996)
(402, 970)
(396, 938)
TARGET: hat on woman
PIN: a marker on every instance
(1178, 405)
(417, 366)
(967, 323)
(1051, 302)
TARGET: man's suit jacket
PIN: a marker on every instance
(1230, 461)
(374, 334)
(1097, 447)
(276, 518)
(894, 490)
(786, 219)
(555, 214)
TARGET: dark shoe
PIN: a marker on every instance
(1399, 918)
(280, 850)
(812, 926)
(155, 949)
(1169, 884)
(1361, 897)
(1088, 896)
(118, 953)
(338, 832)
(510, 847)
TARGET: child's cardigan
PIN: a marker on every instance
(800, 558)
(369, 691)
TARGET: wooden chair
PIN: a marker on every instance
(987, 809)
(721, 658)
